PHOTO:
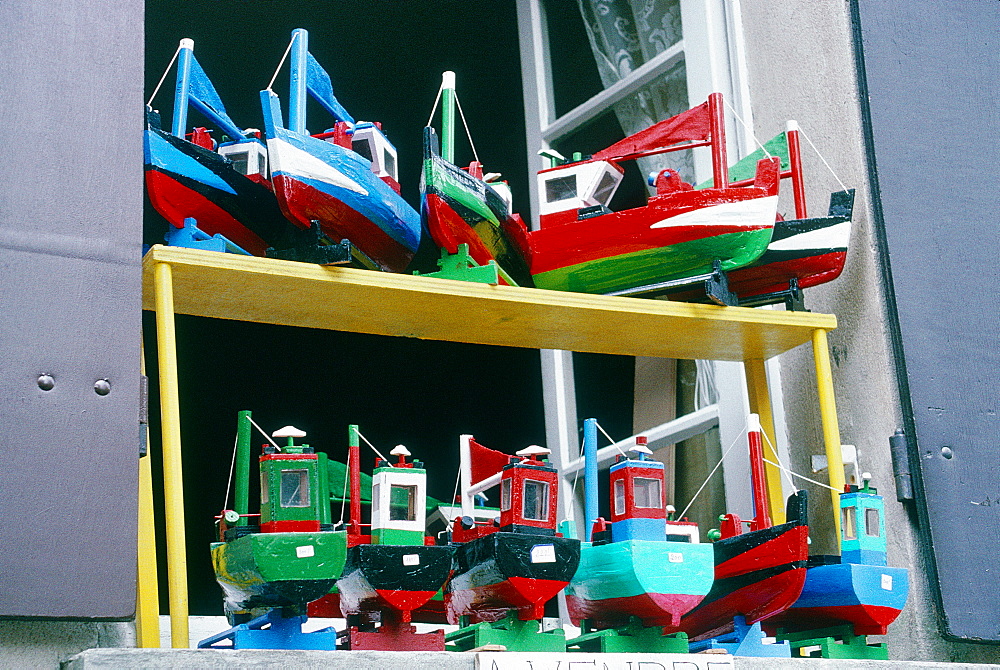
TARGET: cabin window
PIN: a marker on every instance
(363, 148)
(560, 188)
(402, 503)
(606, 188)
(261, 164)
(646, 491)
(872, 522)
(389, 163)
(619, 496)
(239, 161)
(847, 523)
(678, 538)
(505, 495)
(536, 500)
(264, 497)
(295, 488)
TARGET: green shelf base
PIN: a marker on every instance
(835, 642)
(631, 638)
(462, 267)
(511, 632)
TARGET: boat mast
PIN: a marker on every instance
(298, 81)
(762, 517)
(184, 56)
(590, 500)
(795, 166)
(354, 468)
(718, 130)
(448, 116)
(241, 502)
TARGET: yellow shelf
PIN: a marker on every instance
(227, 286)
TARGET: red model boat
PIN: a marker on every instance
(584, 246)
(758, 573)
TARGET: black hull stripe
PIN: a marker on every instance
(723, 587)
(731, 547)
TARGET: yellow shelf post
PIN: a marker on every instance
(760, 403)
(828, 416)
(173, 484)
(147, 600)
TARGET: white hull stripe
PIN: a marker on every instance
(831, 237)
(290, 160)
(756, 213)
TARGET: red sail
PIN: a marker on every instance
(486, 462)
(694, 125)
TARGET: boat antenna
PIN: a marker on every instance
(280, 63)
(232, 466)
(374, 449)
(264, 433)
(167, 71)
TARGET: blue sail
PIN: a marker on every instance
(319, 85)
(202, 91)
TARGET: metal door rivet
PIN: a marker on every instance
(947, 452)
(102, 387)
(46, 382)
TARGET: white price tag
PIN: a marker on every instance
(543, 553)
(411, 559)
(887, 582)
(305, 551)
(675, 557)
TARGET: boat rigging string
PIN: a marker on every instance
(164, 77)
(280, 63)
(379, 453)
(343, 496)
(791, 474)
(717, 466)
(454, 495)
(748, 129)
(461, 114)
(232, 466)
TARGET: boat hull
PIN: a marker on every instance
(655, 581)
(502, 571)
(315, 180)
(869, 597)
(278, 569)
(397, 577)
(677, 235)
(811, 251)
(757, 575)
(184, 180)
(457, 208)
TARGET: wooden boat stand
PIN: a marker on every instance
(792, 297)
(744, 640)
(510, 632)
(834, 642)
(393, 634)
(632, 637)
(312, 246)
(193, 237)
(273, 631)
(462, 267)
(715, 285)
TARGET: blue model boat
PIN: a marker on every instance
(856, 587)
(345, 178)
(223, 185)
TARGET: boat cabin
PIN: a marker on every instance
(577, 190)
(249, 157)
(862, 524)
(371, 143)
(528, 493)
(294, 492)
(399, 500)
(638, 508)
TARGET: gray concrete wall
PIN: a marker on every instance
(801, 66)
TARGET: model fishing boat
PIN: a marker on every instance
(221, 185)
(804, 251)
(292, 555)
(759, 572)
(392, 571)
(505, 572)
(857, 587)
(583, 246)
(461, 206)
(640, 565)
(345, 179)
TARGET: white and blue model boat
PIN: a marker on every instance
(344, 179)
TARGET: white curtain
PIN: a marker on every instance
(623, 35)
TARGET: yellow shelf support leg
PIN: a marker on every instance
(760, 403)
(173, 485)
(828, 415)
(147, 603)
